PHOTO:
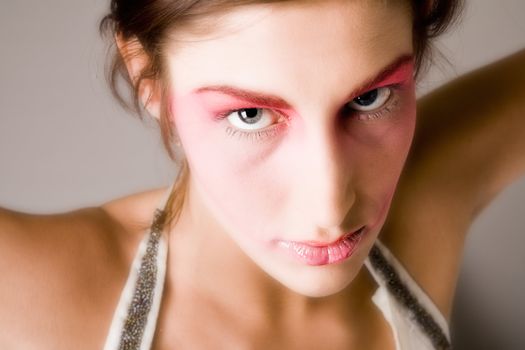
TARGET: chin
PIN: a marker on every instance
(316, 281)
(317, 291)
(321, 284)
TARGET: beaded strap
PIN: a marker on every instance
(144, 291)
(401, 292)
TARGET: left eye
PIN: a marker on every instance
(249, 119)
(371, 100)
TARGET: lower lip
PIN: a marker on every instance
(323, 255)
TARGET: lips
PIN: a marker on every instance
(319, 253)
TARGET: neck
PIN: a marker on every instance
(207, 268)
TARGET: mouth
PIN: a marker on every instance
(318, 253)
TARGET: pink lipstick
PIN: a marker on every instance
(315, 253)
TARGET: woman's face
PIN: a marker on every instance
(296, 119)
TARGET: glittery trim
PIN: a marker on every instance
(143, 295)
(400, 291)
(139, 309)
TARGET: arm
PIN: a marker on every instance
(470, 140)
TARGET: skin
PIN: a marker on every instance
(323, 164)
(322, 174)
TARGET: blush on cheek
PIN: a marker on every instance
(186, 112)
(200, 134)
(233, 187)
(409, 112)
(403, 118)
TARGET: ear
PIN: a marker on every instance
(136, 60)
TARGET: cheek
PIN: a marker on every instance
(236, 188)
(402, 134)
(382, 155)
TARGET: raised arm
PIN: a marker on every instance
(470, 138)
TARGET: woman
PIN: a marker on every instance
(305, 111)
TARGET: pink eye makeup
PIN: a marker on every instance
(246, 123)
(257, 117)
(255, 124)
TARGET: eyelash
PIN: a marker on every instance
(391, 105)
(253, 135)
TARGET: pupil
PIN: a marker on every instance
(367, 98)
(249, 115)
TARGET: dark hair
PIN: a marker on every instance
(150, 21)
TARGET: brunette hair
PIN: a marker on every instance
(150, 21)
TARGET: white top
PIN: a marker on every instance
(407, 333)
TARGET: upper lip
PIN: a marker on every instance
(322, 244)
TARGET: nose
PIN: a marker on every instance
(326, 191)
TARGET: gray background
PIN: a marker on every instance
(65, 143)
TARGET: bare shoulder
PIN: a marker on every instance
(62, 274)
(74, 236)
(134, 212)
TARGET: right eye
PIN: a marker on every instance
(249, 118)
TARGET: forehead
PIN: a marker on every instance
(293, 47)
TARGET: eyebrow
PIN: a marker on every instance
(272, 101)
